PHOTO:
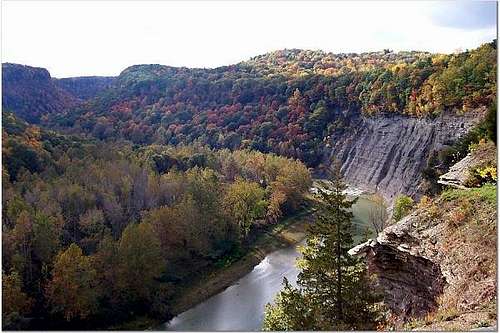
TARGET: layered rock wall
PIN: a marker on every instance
(387, 153)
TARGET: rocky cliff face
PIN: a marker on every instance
(387, 153)
(411, 282)
(439, 262)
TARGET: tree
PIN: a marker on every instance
(140, 261)
(15, 302)
(291, 311)
(107, 264)
(46, 238)
(22, 236)
(72, 289)
(402, 206)
(93, 229)
(333, 284)
(377, 215)
(244, 201)
(294, 180)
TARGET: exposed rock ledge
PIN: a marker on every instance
(458, 173)
(410, 279)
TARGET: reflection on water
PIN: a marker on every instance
(241, 306)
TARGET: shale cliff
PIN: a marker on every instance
(387, 153)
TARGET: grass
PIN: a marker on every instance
(487, 193)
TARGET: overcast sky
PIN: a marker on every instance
(103, 38)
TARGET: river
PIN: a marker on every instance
(240, 307)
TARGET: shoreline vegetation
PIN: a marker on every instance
(214, 280)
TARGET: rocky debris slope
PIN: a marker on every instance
(387, 153)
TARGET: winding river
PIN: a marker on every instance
(241, 306)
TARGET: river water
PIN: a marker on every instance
(240, 307)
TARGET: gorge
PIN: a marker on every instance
(191, 166)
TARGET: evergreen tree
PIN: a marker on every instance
(333, 286)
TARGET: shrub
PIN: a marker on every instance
(402, 207)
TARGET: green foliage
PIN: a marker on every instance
(140, 262)
(285, 101)
(291, 311)
(145, 229)
(245, 203)
(333, 292)
(486, 193)
(402, 206)
(46, 238)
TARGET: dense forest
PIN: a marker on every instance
(91, 230)
(289, 102)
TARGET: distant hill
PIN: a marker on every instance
(85, 87)
(291, 102)
(31, 93)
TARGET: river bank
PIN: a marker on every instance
(214, 280)
(284, 234)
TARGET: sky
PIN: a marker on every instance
(79, 38)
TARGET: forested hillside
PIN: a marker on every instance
(94, 231)
(289, 102)
(85, 87)
(31, 92)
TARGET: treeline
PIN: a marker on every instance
(289, 102)
(98, 233)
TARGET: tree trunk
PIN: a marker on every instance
(339, 271)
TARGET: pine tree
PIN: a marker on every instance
(333, 285)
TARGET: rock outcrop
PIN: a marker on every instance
(460, 176)
(439, 262)
(458, 173)
(387, 153)
(410, 281)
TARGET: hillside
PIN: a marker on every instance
(85, 87)
(309, 105)
(128, 188)
(31, 93)
(165, 213)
